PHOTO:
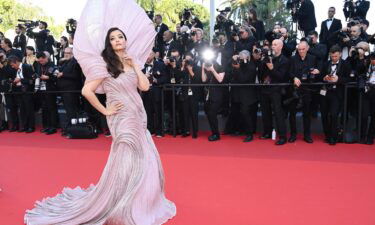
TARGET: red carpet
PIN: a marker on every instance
(222, 183)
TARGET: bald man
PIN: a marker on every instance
(274, 71)
(303, 70)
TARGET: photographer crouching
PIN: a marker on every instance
(303, 70)
(245, 72)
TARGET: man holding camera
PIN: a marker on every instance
(69, 80)
(245, 72)
(274, 70)
(289, 43)
(47, 74)
(23, 83)
(213, 73)
(303, 70)
(40, 37)
(356, 9)
(247, 40)
(155, 70)
(335, 74)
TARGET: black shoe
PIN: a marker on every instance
(30, 130)
(308, 139)
(194, 136)
(326, 140)
(281, 141)
(107, 133)
(4, 126)
(370, 141)
(248, 138)
(266, 136)
(44, 130)
(332, 141)
(214, 137)
(185, 134)
(292, 139)
(51, 131)
(13, 129)
(21, 130)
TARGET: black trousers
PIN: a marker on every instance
(306, 100)
(248, 111)
(27, 113)
(49, 110)
(72, 105)
(234, 121)
(190, 114)
(368, 113)
(271, 101)
(12, 107)
(153, 111)
(211, 109)
(330, 109)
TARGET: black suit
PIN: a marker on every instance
(360, 10)
(327, 36)
(20, 42)
(40, 39)
(306, 17)
(160, 29)
(331, 102)
(166, 48)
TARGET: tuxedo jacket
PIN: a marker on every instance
(327, 36)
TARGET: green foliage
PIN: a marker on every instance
(171, 10)
(11, 11)
(270, 11)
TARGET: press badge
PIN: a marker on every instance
(323, 92)
(173, 80)
(190, 92)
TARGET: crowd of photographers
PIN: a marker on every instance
(245, 70)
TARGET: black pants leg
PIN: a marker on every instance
(246, 112)
(12, 106)
(279, 114)
(212, 109)
(71, 104)
(266, 108)
(27, 111)
(306, 110)
(50, 110)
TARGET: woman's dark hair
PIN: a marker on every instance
(66, 42)
(255, 17)
(31, 48)
(114, 64)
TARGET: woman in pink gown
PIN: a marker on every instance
(131, 188)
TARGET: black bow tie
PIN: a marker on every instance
(329, 20)
(335, 64)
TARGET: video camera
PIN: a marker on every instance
(29, 23)
(294, 4)
(150, 14)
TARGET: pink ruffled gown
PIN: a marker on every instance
(131, 188)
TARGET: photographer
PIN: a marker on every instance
(247, 40)
(289, 43)
(356, 9)
(306, 16)
(155, 70)
(224, 25)
(274, 70)
(335, 73)
(24, 83)
(349, 37)
(328, 28)
(368, 104)
(40, 37)
(69, 80)
(190, 95)
(20, 41)
(197, 44)
(245, 72)
(303, 70)
(213, 73)
(46, 73)
(316, 49)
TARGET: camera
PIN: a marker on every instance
(71, 26)
(208, 57)
(189, 62)
(172, 59)
(308, 77)
(29, 23)
(267, 55)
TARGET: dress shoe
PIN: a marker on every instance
(30, 130)
(13, 129)
(370, 141)
(51, 131)
(21, 130)
(214, 137)
(44, 130)
(332, 141)
(308, 139)
(266, 136)
(194, 136)
(281, 141)
(185, 134)
(3, 127)
(292, 139)
(248, 138)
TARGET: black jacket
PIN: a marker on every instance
(361, 8)
(159, 37)
(306, 16)
(260, 31)
(72, 78)
(343, 72)
(40, 39)
(167, 48)
(47, 70)
(327, 36)
(246, 44)
(20, 42)
(246, 74)
(159, 72)
(301, 68)
(215, 93)
(289, 47)
(27, 81)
